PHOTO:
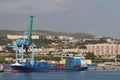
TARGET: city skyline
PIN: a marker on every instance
(96, 17)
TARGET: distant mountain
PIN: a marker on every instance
(70, 34)
(4, 33)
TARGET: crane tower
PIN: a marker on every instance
(24, 47)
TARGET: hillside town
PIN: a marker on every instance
(109, 48)
(101, 47)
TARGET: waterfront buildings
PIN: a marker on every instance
(110, 50)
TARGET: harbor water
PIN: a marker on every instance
(83, 75)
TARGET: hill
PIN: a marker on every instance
(45, 32)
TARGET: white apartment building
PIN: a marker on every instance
(65, 38)
(1, 48)
(104, 49)
(19, 36)
(58, 51)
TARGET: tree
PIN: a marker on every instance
(91, 56)
(117, 56)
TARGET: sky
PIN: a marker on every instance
(97, 17)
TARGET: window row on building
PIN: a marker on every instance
(103, 49)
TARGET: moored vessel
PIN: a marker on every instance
(72, 64)
(25, 58)
(1, 68)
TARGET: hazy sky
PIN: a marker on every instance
(97, 17)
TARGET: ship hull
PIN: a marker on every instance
(39, 69)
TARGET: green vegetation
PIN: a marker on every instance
(42, 42)
(81, 45)
(46, 57)
(117, 56)
(102, 40)
(97, 59)
(8, 56)
(4, 41)
(90, 56)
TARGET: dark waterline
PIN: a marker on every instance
(84, 75)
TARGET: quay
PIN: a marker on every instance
(105, 67)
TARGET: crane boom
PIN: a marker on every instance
(29, 40)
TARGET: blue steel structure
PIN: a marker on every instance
(24, 47)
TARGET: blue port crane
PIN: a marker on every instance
(24, 46)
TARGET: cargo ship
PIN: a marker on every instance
(72, 64)
(25, 58)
